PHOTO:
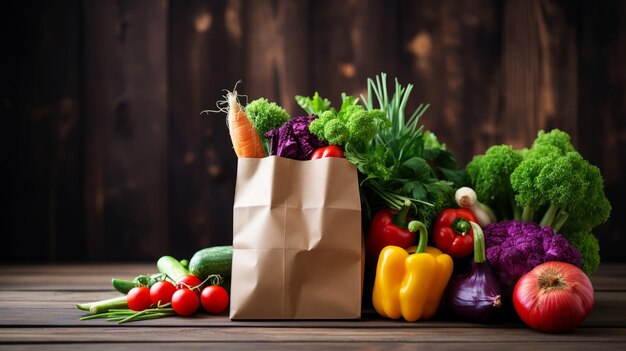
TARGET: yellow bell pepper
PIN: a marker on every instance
(411, 285)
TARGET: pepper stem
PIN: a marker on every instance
(460, 225)
(479, 243)
(404, 212)
(423, 240)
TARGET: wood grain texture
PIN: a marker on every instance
(134, 334)
(539, 70)
(97, 277)
(314, 346)
(205, 57)
(276, 42)
(451, 53)
(108, 157)
(42, 132)
(352, 41)
(43, 316)
(59, 310)
(602, 108)
(126, 111)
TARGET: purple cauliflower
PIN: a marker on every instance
(293, 139)
(514, 248)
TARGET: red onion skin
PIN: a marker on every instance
(556, 309)
(476, 296)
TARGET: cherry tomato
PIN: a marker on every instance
(161, 292)
(214, 299)
(189, 281)
(327, 151)
(185, 302)
(554, 297)
(138, 298)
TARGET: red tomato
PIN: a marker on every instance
(161, 292)
(554, 297)
(185, 302)
(214, 299)
(328, 151)
(189, 281)
(138, 298)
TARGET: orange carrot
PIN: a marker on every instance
(245, 139)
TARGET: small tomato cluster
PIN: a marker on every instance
(185, 297)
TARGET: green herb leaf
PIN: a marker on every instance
(415, 168)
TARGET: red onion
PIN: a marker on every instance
(476, 296)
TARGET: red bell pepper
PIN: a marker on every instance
(327, 151)
(388, 227)
(452, 232)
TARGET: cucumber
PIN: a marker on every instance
(171, 267)
(212, 260)
(123, 286)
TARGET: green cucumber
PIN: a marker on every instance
(122, 286)
(212, 260)
(171, 267)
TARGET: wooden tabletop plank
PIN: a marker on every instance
(34, 308)
(133, 334)
(37, 311)
(97, 277)
(38, 308)
(360, 346)
(316, 346)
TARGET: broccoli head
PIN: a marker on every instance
(317, 126)
(265, 115)
(336, 132)
(351, 125)
(549, 177)
(591, 208)
(556, 138)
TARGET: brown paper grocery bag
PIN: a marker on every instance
(297, 240)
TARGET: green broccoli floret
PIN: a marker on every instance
(554, 177)
(556, 138)
(491, 177)
(353, 124)
(547, 177)
(317, 126)
(336, 132)
(265, 115)
(592, 208)
(587, 244)
(364, 125)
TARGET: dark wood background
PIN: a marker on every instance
(108, 158)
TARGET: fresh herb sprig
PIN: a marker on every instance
(404, 162)
(127, 315)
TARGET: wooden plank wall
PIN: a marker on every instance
(108, 156)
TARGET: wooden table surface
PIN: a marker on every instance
(37, 313)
